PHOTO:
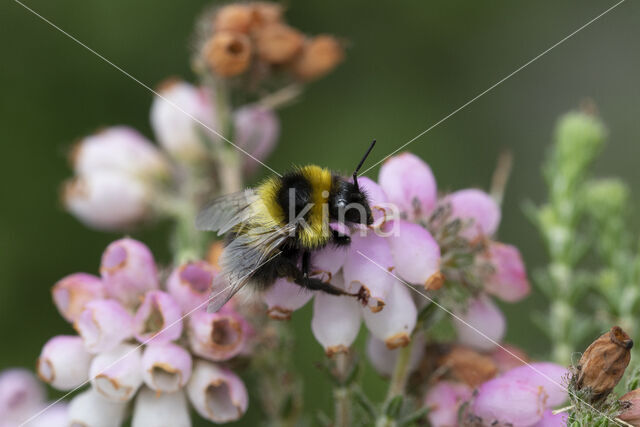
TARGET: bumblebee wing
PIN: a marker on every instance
(242, 257)
(225, 212)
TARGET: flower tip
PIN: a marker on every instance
(228, 53)
(401, 339)
(435, 281)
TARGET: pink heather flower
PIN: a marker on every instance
(383, 360)
(64, 362)
(117, 374)
(409, 184)
(509, 401)
(550, 420)
(256, 131)
(56, 415)
(381, 210)
(336, 320)
(172, 122)
(416, 254)
(631, 414)
(484, 316)
(395, 323)
(217, 336)
(118, 149)
(328, 261)
(72, 293)
(158, 318)
(284, 297)
(190, 284)
(89, 408)
(21, 395)
(543, 375)
(509, 280)
(507, 357)
(444, 401)
(103, 325)
(477, 206)
(128, 271)
(107, 200)
(166, 367)
(217, 394)
(362, 268)
(160, 409)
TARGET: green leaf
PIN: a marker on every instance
(394, 406)
(414, 417)
(361, 399)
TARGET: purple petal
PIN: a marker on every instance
(383, 360)
(256, 131)
(509, 281)
(72, 293)
(410, 184)
(478, 207)
(103, 325)
(154, 409)
(21, 395)
(166, 367)
(548, 376)
(117, 374)
(381, 208)
(284, 297)
(217, 336)
(631, 414)
(328, 261)
(190, 284)
(336, 321)
(508, 357)
(108, 200)
(395, 323)
(217, 394)
(416, 254)
(56, 415)
(64, 362)
(89, 408)
(128, 271)
(444, 400)
(158, 318)
(550, 420)
(507, 400)
(481, 326)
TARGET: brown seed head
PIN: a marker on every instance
(278, 43)
(228, 53)
(469, 366)
(603, 363)
(319, 56)
(234, 17)
(266, 13)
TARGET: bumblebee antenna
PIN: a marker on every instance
(355, 173)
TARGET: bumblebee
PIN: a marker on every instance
(271, 230)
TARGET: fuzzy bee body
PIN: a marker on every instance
(272, 230)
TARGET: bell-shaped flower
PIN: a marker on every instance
(56, 415)
(326, 262)
(394, 325)
(217, 336)
(217, 394)
(256, 131)
(119, 149)
(481, 326)
(547, 376)
(364, 267)
(117, 374)
(444, 400)
(551, 420)
(64, 362)
(631, 414)
(508, 356)
(383, 360)
(108, 200)
(284, 297)
(128, 270)
(381, 209)
(508, 280)
(509, 401)
(190, 284)
(478, 208)
(158, 319)
(72, 293)
(416, 254)
(336, 320)
(89, 408)
(154, 409)
(177, 118)
(21, 396)
(166, 367)
(103, 325)
(409, 184)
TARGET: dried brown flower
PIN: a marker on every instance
(228, 53)
(603, 363)
(266, 13)
(278, 43)
(319, 56)
(234, 17)
(469, 366)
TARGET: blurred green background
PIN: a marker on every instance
(409, 64)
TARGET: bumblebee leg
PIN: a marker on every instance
(340, 239)
(301, 276)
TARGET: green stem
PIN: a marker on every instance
(400, 372)
(342, 393)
